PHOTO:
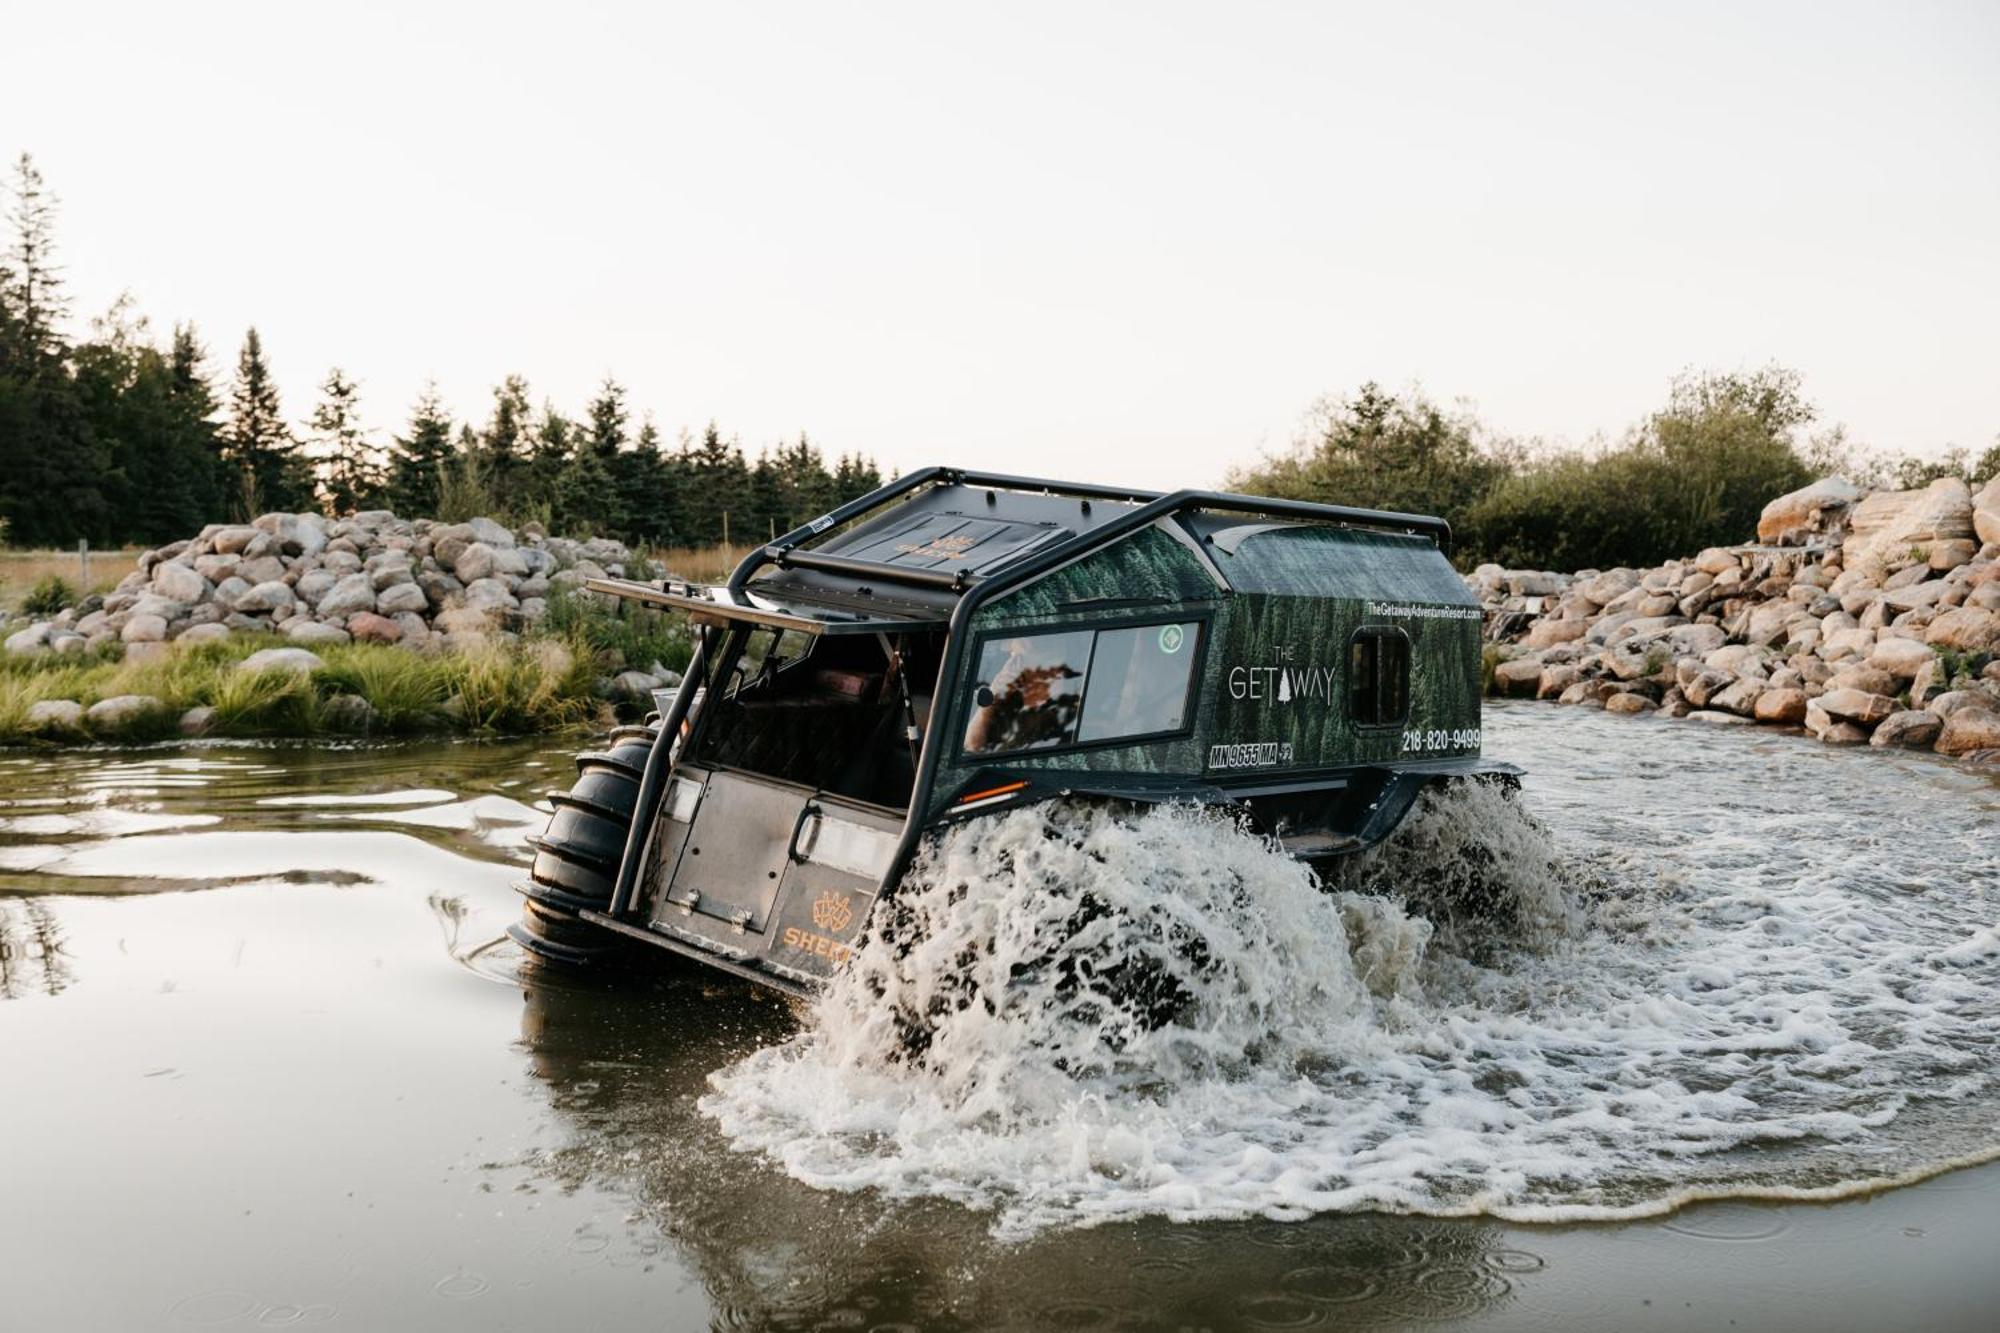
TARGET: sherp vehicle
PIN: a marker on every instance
(956, 645)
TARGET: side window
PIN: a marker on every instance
(1139, 681)
(1378, 676)
(1028, 692)
(1043, 691)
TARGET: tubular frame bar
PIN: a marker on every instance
(644, 815)
(869, 569)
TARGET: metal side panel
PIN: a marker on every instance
(830, 890)
(735, 854)
(680, 801)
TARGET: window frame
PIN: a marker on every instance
(1202, 620)
(1380, 632)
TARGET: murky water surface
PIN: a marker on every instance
(264, 1062)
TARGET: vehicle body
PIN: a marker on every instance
(957, 644)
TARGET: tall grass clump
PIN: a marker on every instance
(265, 703)
(544, 687)
(408, 692)
(628, 633)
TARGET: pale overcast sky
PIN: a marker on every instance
(1118, 242)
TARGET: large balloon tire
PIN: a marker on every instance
(577, 856)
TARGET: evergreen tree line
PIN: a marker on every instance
(116, 439)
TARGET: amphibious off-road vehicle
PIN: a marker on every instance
(958, 644)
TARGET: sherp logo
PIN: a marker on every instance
(832, 911)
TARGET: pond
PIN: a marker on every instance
(267, 1060)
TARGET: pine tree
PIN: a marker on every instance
(764, 507)
(645, 496)
(193, 426)
(53, 466)
(33, 289)
(269, 472)
(854, 477)
(553, 441)
(715, 479)
(588, 502)
(806, 484)
(503, 445)
(350, 468)
(420, 456)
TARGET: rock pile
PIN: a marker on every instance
(1860, 617)
(371, 577)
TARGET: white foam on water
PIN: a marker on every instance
(1529, 1042)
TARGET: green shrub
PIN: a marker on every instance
(621, 634)
(49, 595)
(544, 687)
(1379, 450)
(1696, 473)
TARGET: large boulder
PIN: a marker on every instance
(1912, 729)
(1790, 519)
(1970, 729)
(390, 571)
(1695, 640)
(1900, 657)
(261, 569)
(315, 584)
(1867, 679)
(475, 562)
(368, 627)
(313, 632)
(401, 597)
(493, 534)
(282, 659)
(1892, 527)
(1704, 685)
(1520, 582)
(54, 715)
(1522, 676)
(231, 540)
(273, 599)
(28, 642)
(179, 583)
(489, 595)
(1857, 706)
(353, 593)
(1986, 512)
(348, 713)
(227, 591)
(1739, 698)
(1965, 629)
(121, 711)
(1781, 707)
(296, 534)
(144, 628)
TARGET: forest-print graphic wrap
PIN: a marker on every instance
(1273, 675)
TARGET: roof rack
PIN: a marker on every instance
(1149, 506)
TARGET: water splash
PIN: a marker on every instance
(1072, 1015)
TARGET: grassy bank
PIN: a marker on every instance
(550, 681)
(541, 685)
